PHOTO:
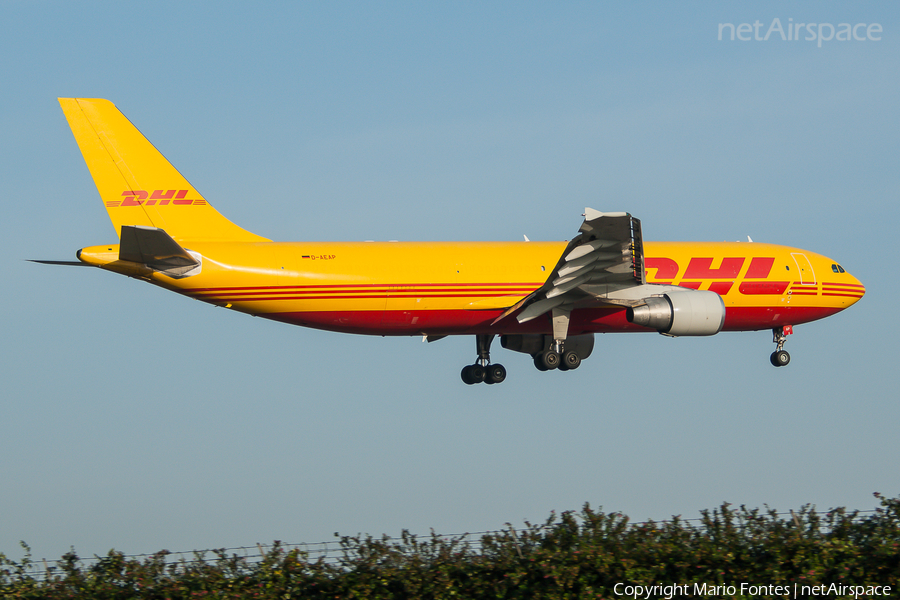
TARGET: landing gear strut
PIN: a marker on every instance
(556, 356)
(780, 357)
(483, 370)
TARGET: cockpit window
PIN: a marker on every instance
(834, 268)
(840, 268)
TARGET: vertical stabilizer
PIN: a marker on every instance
(138, 186)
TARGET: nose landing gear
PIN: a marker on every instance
(780, 357)
(483, 370)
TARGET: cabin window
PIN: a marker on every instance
(787, 268)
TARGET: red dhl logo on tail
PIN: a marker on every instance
(140, 197)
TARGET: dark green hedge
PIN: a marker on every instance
(572, 555)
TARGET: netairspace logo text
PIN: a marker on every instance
(794, 32)
(674, 591)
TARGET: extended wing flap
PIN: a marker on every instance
(606, 254)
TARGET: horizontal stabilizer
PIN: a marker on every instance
(67, 263)
(155, 248)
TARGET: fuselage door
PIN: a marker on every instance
(807, 275)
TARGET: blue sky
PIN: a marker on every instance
(139, 420)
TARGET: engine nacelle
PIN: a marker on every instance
(691, 312)
(534, 343)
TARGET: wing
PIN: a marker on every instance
(607, 256)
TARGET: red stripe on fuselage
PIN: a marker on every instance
(499, 286)
(466, 322)
(356, 293)
(231, 298)
(852, 285)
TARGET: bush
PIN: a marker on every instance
(572, 555)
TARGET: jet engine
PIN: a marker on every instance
(691, 312)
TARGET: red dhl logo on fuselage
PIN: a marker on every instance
(699, 270)
(140, 197)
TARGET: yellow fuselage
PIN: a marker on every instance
(440, 288)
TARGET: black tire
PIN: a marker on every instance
(781, 358)
(570, 361)
(477, 372)
(466, 375)
(549, 359)
(539, 362)
(495, 374)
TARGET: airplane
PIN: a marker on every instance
(544, 299)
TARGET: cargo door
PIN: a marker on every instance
(807, 275)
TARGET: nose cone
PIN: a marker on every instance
(858, 286)
(843, 288)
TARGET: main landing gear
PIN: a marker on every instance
(556, 357)
(780, 357)
(483, 370)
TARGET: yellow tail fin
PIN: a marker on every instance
(137, 184)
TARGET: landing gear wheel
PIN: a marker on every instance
(472, 374)
(495, 374)
(547, 361)
(570, 361)
(780, 358)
